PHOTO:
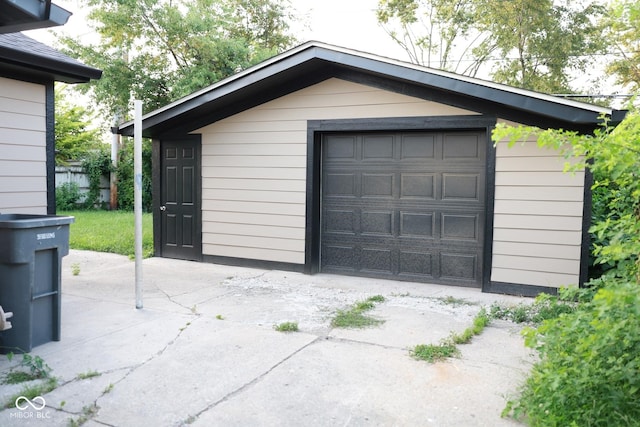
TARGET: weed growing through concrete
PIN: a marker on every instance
(88, 412)
(38, 369)
(453, 301)
(448, 346)
(107, 389)
(480, 322)
(75, 269)
(543, 307)
(219, 317)
(354, 317)
(88, 374)
(435, 352)
(33, 391)
(286, 327)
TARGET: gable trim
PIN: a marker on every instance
(314, 62)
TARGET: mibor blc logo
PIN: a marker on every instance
(30, 408)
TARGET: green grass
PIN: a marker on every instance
(109, 231)
(433, 353)
(286, 327)
(354, 316)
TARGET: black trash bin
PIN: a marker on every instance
(31, 251)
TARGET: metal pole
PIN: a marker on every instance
(113, 178)
(137, 195)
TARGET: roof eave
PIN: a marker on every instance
(57, 70)
(573, 113)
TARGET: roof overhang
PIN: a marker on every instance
(314, 62)
(21, 57)
(22, 15)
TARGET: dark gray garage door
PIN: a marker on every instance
(406, 206)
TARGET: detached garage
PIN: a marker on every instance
(325, 159)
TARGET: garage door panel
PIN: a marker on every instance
(378, 147)
(376, 260)
(378, 185)
(418, 148)
(460, 187)
(339, 221)
(377, 222)
(422, 186)
(339, 257)
(460, 227)
(408, 206)
(419, 225)
(458, 266)
(416, 264)
(340, 185)
(461, 146)
(340, 147)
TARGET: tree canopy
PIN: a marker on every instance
(623, 24)
(534, 44)
(73, 134)
(161, 50)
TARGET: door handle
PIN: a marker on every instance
(163, 208)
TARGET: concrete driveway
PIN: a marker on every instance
(203, 351)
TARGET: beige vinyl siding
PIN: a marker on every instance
(537, 217)
(254, 166)
(23, 172)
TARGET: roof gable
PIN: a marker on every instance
(314, 62)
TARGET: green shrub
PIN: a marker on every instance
(95, 164)
(68, 196)
(588, 372)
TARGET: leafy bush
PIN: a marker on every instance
(68, 196)
(96, 164)
(589, 364)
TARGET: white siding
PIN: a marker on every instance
(538, 217)
(254, 166)
(23, 172)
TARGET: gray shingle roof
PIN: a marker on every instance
(18, 51)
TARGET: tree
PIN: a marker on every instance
(431, 31)
(540, 42)
(623, 23)
(534, 44)
(73, 135)
(161, 50)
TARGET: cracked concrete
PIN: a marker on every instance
(203, 351)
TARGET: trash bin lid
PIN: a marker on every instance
(33, 221)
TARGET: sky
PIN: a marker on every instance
(346, 23)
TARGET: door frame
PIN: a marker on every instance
(157, 187)
(315, 129)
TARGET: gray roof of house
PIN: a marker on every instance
(20, 54)
(314, 62)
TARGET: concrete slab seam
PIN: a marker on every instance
(252, 382)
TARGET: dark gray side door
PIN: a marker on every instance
(181, 227)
